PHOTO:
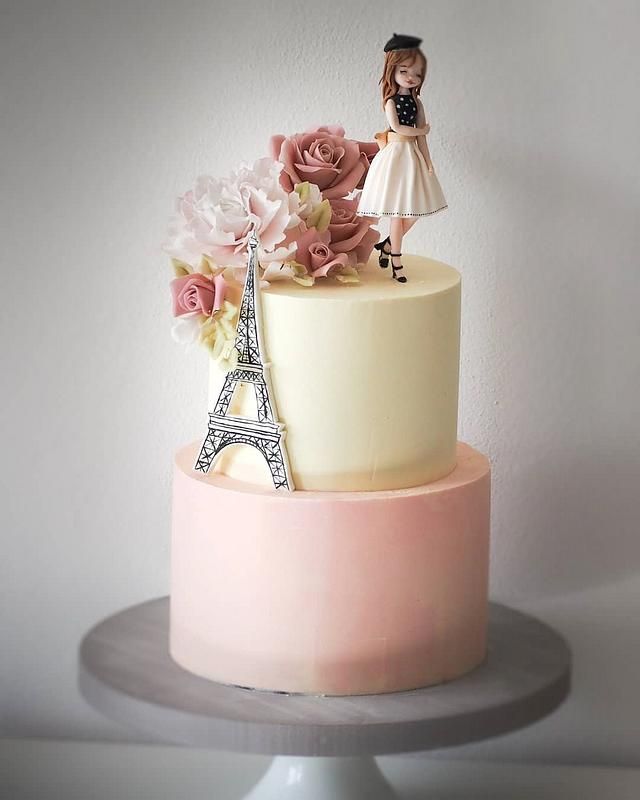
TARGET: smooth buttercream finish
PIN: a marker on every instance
(365, 378)
(330, 592)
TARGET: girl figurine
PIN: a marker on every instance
(401, 183)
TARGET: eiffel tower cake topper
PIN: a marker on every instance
(265, 433)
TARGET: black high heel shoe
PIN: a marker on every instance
(383, 258)
(401, 278)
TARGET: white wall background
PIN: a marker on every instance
(111, 109)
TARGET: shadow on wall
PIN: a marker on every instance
(566, 462)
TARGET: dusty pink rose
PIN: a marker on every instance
(350, 233)
(370, 151)
(197, 293)
(316, 255)
(324, 157)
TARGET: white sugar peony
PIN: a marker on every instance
(216, 217)
(310, 199)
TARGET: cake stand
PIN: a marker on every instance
(324, 746)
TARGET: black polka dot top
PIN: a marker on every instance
(407, 109)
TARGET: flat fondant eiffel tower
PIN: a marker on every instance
(266, 434)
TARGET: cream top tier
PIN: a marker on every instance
(364, 377)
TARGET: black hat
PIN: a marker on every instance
(401, 42)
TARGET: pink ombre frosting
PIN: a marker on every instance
(330, 592)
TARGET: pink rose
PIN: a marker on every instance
(324, 157)
(350, 233)
(316, 255)
(370, 151)
(197, 292)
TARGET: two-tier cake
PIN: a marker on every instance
(372, 575)
(330, 535)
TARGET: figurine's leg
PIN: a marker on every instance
(396, 232)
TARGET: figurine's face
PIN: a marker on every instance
(409, 74)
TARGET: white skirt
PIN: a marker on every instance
(399, 184)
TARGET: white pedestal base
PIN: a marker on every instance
(313, 778)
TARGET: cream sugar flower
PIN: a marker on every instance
(217, 332)
(314, 212)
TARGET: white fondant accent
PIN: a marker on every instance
(365, 378)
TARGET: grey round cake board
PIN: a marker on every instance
(125, 671)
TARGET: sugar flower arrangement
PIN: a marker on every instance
(301, 202)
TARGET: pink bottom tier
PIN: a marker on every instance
(330, 592)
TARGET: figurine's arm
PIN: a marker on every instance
(394, 123)
(422, 139)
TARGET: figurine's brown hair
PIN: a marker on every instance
(391, 61)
